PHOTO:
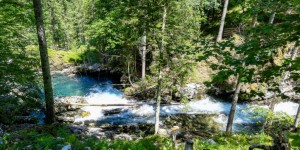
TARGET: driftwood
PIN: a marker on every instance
(128, 104)
(115, 84)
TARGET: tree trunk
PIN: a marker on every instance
(189, 144)
(254, 20)
(38, 12)
(158, 98)
(294, 52)
(272, 17)
(143, 54)
(297, 117)
(233, 106)
(55, 38)
(220, 34)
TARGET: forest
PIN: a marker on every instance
(150, 74)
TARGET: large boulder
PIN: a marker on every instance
(195, 124)
(66, 110)
(194, 91)
(63, 104)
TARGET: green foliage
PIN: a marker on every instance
(236, 141)
(254, 60)
(294, 140)
(19, 93)
(59, 56)
(55, 137)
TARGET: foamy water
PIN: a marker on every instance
(106, 94)
(288, 107)
(245, 113)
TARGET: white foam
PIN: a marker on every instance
(105, 98)
(145, 113)
(288, 107)
(208, 105)
(172, 109)
(145, 110)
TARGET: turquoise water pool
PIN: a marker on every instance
(64, 85)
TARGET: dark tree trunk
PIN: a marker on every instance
(38, 12)
(233, 106)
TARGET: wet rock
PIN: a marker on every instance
(95, 132)
(138, 129)
(78, 129)
(194, 91)
(90, 123)
(211, 141)
(63, 104)
(109, 134)
(67, 117)
(163, 132)
(88, 148)
(197, 124)
(112, 111)
(67, 147)
(28, 147)
(123, 137)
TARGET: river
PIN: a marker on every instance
(102, 91)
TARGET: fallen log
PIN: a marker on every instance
(128, 104)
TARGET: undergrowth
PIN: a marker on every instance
(56, 137)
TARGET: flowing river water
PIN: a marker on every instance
(102, 91)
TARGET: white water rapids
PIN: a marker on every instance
(245, 113)
(104, 93)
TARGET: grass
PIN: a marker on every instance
(55, 137)
(58, 56)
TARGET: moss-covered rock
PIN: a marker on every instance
(195, 124)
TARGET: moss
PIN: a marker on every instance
(85, 114)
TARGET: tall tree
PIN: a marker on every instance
(143, 51)
(220, 34)
(233, 105)
(161, 49)
(272, 17)
(38, 12)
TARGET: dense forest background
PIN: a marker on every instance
(247, 50)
